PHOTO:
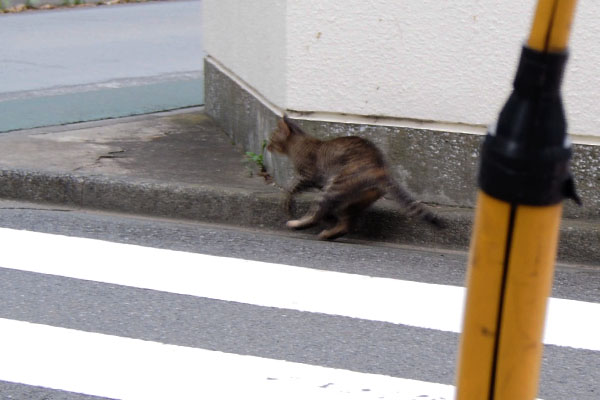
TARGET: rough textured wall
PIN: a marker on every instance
(429, 59)
(433, 60)
(249, 38)
(582, 82)
(437, 167)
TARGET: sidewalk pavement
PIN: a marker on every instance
(179, 164)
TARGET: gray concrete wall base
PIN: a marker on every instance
(437, 167)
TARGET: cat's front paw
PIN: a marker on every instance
(294, 224)
(302, 223)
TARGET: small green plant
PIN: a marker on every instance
(258, 160)
(5, 5)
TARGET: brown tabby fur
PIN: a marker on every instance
(351, 172)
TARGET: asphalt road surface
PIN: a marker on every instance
(82, 64)
(126, 315)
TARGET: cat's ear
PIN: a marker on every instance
(283, 127)
(293, 128)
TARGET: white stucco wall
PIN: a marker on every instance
(432, 60)
(249, 38)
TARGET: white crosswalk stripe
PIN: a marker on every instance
(118, 367)
(125, 368)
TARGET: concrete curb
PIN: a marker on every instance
(249, 208)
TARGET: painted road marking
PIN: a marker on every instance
(124, 368)
(101, 103)
(569, 323)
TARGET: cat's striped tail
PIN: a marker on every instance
(412, 206)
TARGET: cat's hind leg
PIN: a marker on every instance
(340, 229)
(347, 212)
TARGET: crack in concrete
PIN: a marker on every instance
(110, 155)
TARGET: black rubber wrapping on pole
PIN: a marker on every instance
(525, 158)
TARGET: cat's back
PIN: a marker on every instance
(352, 150)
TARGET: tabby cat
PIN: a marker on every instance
(351, 172)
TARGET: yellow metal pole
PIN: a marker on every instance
(484, 282)
(528, 286)
(515, 235)
(552, 25)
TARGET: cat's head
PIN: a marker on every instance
(279, 140)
